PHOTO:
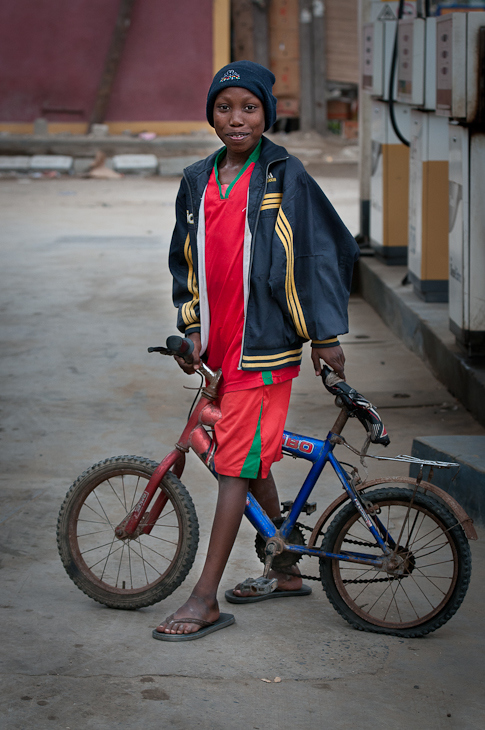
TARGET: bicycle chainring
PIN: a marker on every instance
(284, 560)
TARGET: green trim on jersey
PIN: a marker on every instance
(253, 157)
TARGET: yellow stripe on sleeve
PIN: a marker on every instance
(285, 234)
(188, 309)
(267, 358)
(265, 364)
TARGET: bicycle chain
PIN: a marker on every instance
(357, 580)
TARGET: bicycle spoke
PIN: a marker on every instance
(393, 599)
(143, 560)
(147, 562)
(97, 532)
(116, 493)
(148, 547)
(433, 584)
(380, 596)
(88, 506)
(431, 552)
(162, 539)
(129, 564)
(441, 562)
(107, 557)
(96, 547)
(422, 592)
(134, 492)
(435, 529)
(410, 602)
(104, 512)
(166, 514)
(410, 532)
(92, 522)
(119, 565)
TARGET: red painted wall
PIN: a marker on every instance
(52, 54)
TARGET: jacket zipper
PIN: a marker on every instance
(253, 237)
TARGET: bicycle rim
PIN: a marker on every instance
(434, 565)
(129, 566)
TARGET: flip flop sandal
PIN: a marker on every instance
(231, 598)
(206, 627)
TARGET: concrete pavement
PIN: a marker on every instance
(85, 291)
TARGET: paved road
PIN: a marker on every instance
(84, 291)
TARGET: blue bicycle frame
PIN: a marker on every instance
(318, 453)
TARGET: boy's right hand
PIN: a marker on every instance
(190, 368)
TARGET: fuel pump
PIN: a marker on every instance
(460, 80)
(428, 161)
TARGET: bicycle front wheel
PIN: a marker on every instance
(425, 584)
(130, 573)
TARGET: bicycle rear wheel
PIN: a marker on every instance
(433, 569)
(130, 573)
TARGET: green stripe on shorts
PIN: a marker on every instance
(267, 377)
(251, 464)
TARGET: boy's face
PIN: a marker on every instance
(238, 119)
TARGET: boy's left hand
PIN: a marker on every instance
(333, 356)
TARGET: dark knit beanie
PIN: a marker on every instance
(249, 75)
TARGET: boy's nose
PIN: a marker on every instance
(236, 120)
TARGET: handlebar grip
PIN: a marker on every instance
(181, 346)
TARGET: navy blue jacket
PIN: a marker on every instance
(298, 261)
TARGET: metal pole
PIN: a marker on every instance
(112, 62)
(307, 102)
(260, 32)
(365, 118)
(319, 67)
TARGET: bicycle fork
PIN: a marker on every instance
(138, 521)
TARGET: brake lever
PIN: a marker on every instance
(161, 350)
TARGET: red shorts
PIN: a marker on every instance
(249, 434)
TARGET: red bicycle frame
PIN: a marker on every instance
(195, 437)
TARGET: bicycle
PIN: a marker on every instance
(393, 560)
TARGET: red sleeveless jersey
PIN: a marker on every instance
(225, 219)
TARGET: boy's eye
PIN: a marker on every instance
(250, 107)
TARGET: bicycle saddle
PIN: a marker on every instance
(357, 406)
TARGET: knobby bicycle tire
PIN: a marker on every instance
(434, 573)
(126, 574)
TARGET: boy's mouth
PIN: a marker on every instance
(238, 135)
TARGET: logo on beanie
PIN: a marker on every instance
(230, 75)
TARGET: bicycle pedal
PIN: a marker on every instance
(308, 508)
(259, 586)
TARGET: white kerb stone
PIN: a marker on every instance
(18, 163)
(175, 165)
(135, 163)
(60, 163)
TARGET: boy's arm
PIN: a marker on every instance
(333, 356)
(185, 291)
(318, 254)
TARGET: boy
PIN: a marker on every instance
(261, 263)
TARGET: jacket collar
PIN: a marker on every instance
(269, 153)
(197, 175)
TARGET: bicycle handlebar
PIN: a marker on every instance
(183, 347)
(178, 346)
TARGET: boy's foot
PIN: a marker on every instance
(196, 608)
(285, 583)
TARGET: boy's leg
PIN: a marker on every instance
(264, 490)
(202, 603)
